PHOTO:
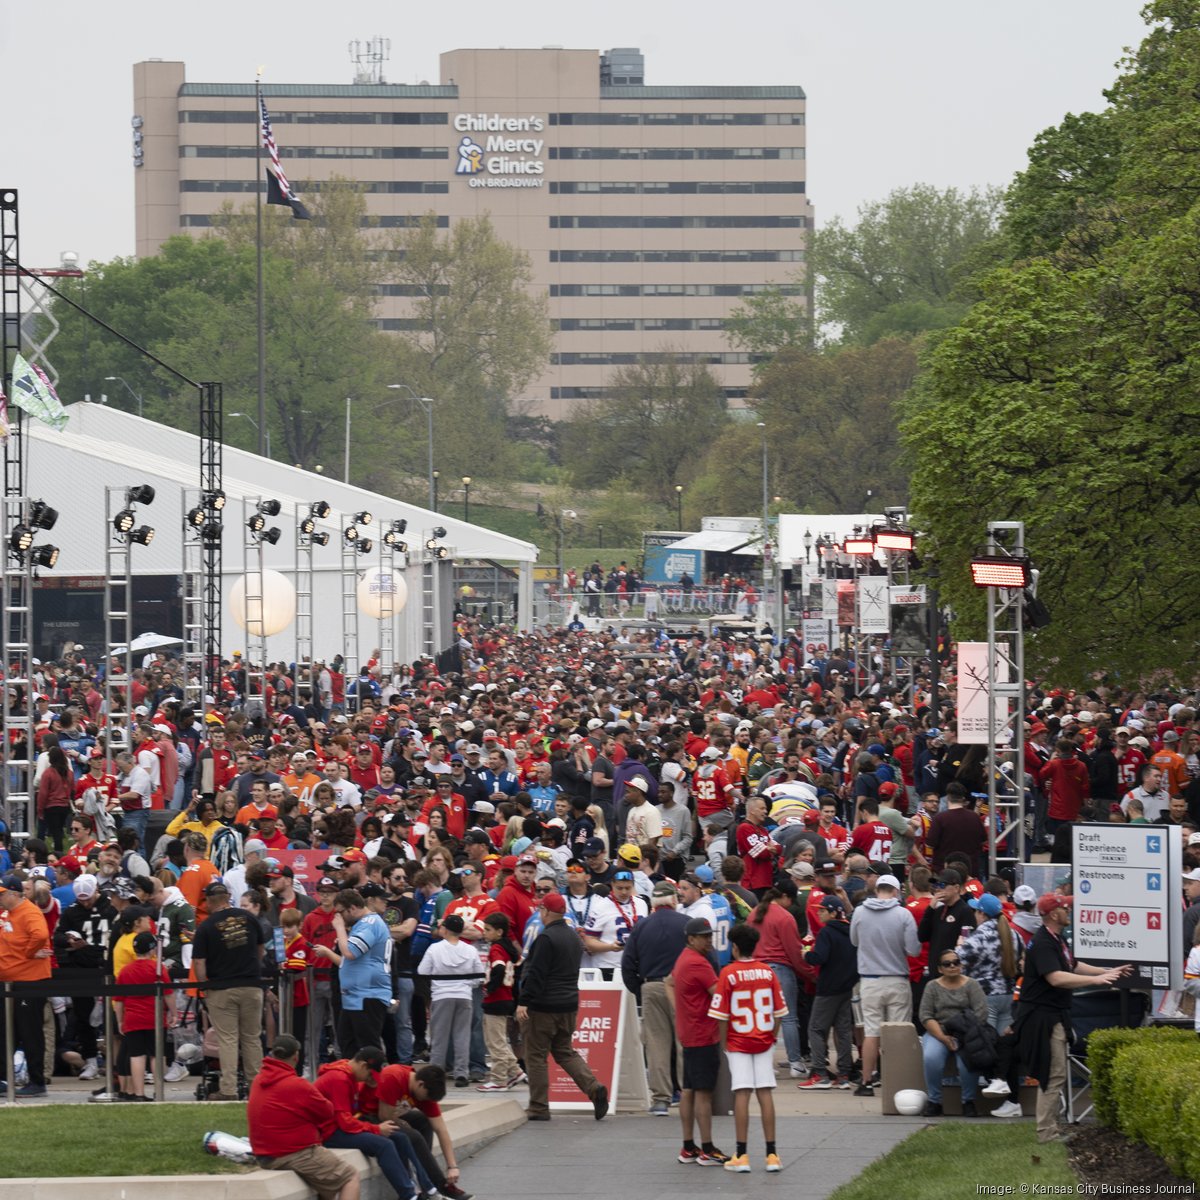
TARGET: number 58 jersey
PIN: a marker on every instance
(749, 997)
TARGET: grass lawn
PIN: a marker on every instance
(952, 1158)
(116, 1139)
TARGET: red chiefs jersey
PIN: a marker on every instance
(749, 997)
(757, 851)
(711, 792)
(874, 839)
(1129, 768)
(299, 957)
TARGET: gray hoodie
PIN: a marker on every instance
(886, 936)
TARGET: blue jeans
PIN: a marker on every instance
(402, 1018)
(936, 1054)
(791, 1028)
(478, 1048)
(1000, 1012)
(137, 821)
(391, 1154)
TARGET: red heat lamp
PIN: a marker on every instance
(859, 546)
(999, 571)
(894, 539)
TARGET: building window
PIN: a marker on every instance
(785, 222)
(675, 256)
(382, 187)
(599, 393)
(673, 289)
(624, 358)
(654, 187)
(380, 152)
(637, 324)
(199, 116)
(677, 153)
(669, 118)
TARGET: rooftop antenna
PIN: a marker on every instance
(368, 58)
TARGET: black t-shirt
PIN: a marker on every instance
(228, 941)
(1047, 953)
(400, 909)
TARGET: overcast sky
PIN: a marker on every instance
(947, 92)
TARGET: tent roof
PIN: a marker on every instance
(106, 447)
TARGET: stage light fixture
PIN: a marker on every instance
(123, 521)
(214, 500)
(319, 509)
(320, 538)
(44, 556)
(391, 538)
(143, 535)
(350, 533)
(307, 525)
(269, 508)
(141, 493)
(257, 523)
(363, 518)
(42, 516)
(400, 526)
(858, 545)
(21, 538)
(439, 532)
(195, 517)
(894, 539)
(999, 571)
(365, 545)
(441, 552)
(210, 532)
(402, 547)
(271, 536)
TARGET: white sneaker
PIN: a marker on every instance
(997, 1088)
(798, 1070)
(175, 1072)
(91, 1070)
(1010, 1108)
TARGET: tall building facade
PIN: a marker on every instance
(648, 212)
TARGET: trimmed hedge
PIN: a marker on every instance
(1146, 1083)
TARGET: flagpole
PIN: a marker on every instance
(262, 333)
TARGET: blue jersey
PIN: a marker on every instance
(365, 973)
(724, 913)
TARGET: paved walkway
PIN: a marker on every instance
(574, 1155)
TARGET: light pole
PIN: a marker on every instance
(426, 402)
(766, 548)
(135, 395)
(253, 422)
(466, 497)
(679, 507)
(433, 489)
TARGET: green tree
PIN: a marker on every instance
(654, 424)
(1066, 396)
(897, 269)
(769, 322)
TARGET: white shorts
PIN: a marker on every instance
(751, 1071)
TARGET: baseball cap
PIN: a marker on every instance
(216, 888)
(11, 882)
(704, 873)
(801, 870)
(630, 853)
(527, 860)
(592, 847)
(255, 846)
(508, 862)
(484, 806)
(595, 723)
(888, 881)
(1048, 903)
(987, 904)
(375, 1061)
(370, 891)
(457, 758)
(335, 862)
(697, 927)
(825, 867)
(1194, 839)
(1024, 894)
(950, 877)
(364, 747)
(143, 943)
(833, 904)
(640, 782)
(476, 837)
(663, 888)
(354, 854)
(710, 752)
(554, 902)
(1192, 876)
(325, 884)
(84, 886)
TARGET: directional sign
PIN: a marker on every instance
(1126, 884)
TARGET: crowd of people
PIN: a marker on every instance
(770, 860)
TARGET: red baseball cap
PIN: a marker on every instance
(354, 854)
(1048, 903)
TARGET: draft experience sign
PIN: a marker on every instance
(1127, 884)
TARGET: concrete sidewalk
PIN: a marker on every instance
(574, 1155)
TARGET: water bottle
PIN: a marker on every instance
(236, 1149)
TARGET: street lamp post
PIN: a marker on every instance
(434, 489)
(135, 395)
(426, 402)
(679, 507)
(766, 547)
(253, 422)
(466, 497)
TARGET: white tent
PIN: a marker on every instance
(104, 447)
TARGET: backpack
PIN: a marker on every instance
(225, 850)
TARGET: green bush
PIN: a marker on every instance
(1104, 1045)
(1146, 1083)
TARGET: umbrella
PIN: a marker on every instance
(148, 641)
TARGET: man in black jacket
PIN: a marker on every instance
(946, 918)
(81, 945)
(548, 1009)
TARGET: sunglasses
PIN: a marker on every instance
(545, 891)
(950, 962)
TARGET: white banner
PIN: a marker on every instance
(873, 610)
(829, 600)
(973, 697)
(815, 631)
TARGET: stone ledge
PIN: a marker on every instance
(472, 1126)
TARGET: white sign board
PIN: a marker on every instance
(1126, 881)
(973, 723)
(873, 612)
(815, 632)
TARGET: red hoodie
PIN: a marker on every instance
(517, 904)
(286, 1113)
(336, 1083)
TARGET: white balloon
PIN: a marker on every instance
(276, 610)
(374, 587)
(910, 1102)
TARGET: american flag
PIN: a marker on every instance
(268, 141)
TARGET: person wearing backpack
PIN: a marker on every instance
(132, 863)
(500, 989)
